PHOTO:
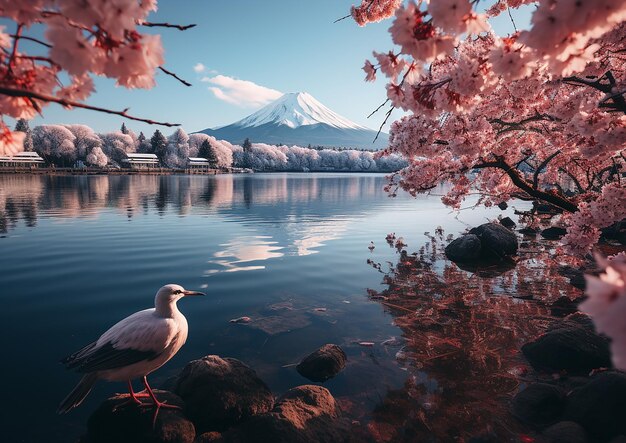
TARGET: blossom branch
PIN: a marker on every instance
(541, 166)
(31, 95)
(32, 39)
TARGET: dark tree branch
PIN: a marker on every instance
(167, 25)
(522, 184)
(186, 83)
(72, 104)
(542, 165)
(32, 39)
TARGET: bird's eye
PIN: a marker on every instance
(178, 291)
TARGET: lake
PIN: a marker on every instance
(288, 250)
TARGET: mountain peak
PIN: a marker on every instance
(295, 109)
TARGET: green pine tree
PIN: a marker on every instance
(158, 143)
(22, 126)
(207, 151)
(124, 129)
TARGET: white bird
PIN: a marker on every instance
(132, 348)
(371, 246)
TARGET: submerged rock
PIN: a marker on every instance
(221, 392)
(571, 345)
(465, 248)
(565, 432)
(539, 404)
(303, 414)
(323, 364)
(600, 405)
(496, 240)
(114, 422)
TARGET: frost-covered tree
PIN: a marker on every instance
(23, 126)
(116, 145)
(177, 154)
(97, 157)
(158, 142)
(124, 129)
(55, 143)
(86, 139)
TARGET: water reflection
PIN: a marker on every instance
(242, 251)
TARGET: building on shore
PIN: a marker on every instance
(141, 161)
(22, 160)
(198, 164)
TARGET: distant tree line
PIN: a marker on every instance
(67, 145)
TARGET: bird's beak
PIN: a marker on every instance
(192, 293)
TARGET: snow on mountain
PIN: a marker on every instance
(298, 118)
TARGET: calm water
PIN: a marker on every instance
(79, 253)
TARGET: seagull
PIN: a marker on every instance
(371, 246)
(132, 348)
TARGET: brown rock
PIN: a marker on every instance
(221, 392)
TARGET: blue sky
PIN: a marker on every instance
(284, 45)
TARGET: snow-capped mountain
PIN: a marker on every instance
(299, 119)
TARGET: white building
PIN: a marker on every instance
(198, 163)
(141, 161)
(22, 160)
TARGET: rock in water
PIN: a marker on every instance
(221, 392)
(507, 223)
(323, 364)
(496, 240)
(571, 345)
(133, 424)
(565, 432)
(600, 405)
(464, 249)
(553, 233)
(304, 414)
(539, 404)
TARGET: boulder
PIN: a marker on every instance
(496, 240)
(304, 414)
(553, 233)
(570, 345)
(540, 404)
(527, 231)
(464, 249)
(507, 223)
(565, 432)
(221, 392)
(600, 405)
(563, 306)
(115, 421)
(323, 364)
(503, 205)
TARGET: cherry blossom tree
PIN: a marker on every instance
(177, 149)
(82, 38)
(116, 145)
(97, 157)
(55, 143)
(539, 114)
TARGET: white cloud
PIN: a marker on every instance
(199, 67)
(242, 93)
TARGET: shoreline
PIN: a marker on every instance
(158, 171)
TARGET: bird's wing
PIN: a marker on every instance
(140, 337)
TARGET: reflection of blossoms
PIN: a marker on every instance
(607, 305)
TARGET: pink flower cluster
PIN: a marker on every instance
(83, 38)
(370, 11)
(606, 304)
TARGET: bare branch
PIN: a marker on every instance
(167, 25)
(186, 83)
(542, 165)
(32, 39)
(72, 104)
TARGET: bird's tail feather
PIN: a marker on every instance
(78, 394)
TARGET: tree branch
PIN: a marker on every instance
(542, 165)
(32, 39)
(167, 25)
(69, 103)
(522, 184)
(186, 83)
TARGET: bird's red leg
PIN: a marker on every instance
(157, 403)
(135, 396)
